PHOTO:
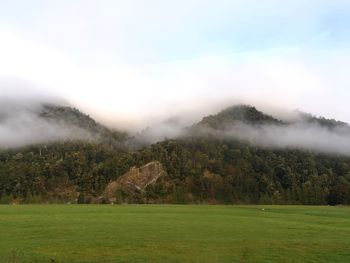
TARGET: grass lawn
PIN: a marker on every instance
(173, 233)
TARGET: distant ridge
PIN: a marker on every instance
(242, 113)
(237, 156)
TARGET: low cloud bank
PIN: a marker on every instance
(298, 132)
(21, 125)
(303, 136)
(160, 132)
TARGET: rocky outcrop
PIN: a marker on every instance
(135, 181)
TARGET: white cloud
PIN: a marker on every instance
(112, 59)
(124, 93)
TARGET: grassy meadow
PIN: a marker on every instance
(173, 233)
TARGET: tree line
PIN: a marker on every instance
(201, 169)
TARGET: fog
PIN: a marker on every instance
(169, 129)
(21, 125)
(296, 132)
(300, 135)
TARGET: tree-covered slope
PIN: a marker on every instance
(72, 117)
(202, 168)
(241, 113)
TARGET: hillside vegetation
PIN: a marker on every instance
(200, 166)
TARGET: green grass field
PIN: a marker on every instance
(174, 233)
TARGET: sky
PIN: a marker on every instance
(131, 63)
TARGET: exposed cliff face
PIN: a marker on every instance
(135, 181)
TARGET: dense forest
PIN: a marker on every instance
(201, 166)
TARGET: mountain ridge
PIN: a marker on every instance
(200, 169)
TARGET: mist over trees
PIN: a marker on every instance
(205, 164)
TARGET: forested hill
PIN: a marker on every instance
(241, 113)
(250, 115)
(72, 117)
(32, 122)
(199, 169)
